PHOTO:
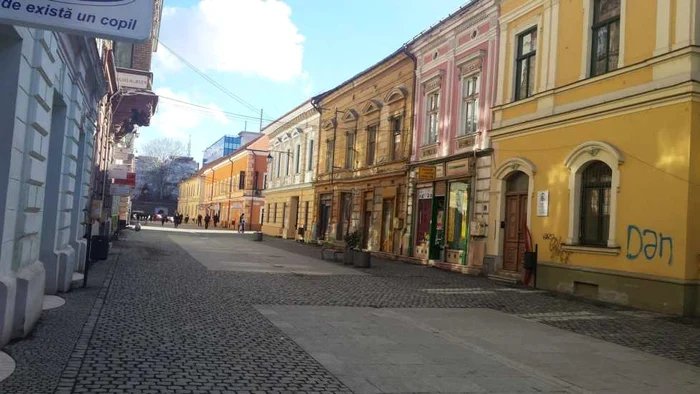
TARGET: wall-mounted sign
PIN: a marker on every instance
(134, 81)
(122, 20)
(116, 189)
(543, 203)
(426, 173)
(459, 167)
(425, 193)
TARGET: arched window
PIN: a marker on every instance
(596, 182)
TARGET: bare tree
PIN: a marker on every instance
(159, 164)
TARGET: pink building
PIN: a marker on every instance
(451, 156)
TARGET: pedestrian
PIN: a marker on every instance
(207, 219)
(241, 223)
(199, 220)
(187, 219)
(180, 219)
(163, 219)
(216, 219)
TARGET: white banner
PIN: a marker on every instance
(120, 190)
(122, 20)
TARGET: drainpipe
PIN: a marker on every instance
(408, 173)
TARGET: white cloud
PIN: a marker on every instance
(178, 120)
(252, 37)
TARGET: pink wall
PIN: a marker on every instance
(450, 90)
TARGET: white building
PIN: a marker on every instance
(50, 87)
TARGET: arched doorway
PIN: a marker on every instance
(515, 219)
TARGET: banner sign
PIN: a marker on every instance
(116, 189)
(121, 20)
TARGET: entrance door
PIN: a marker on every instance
(387, 209)
(324, 215)
(293, 217)
(515, 219)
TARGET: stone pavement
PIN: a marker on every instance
(155, 319)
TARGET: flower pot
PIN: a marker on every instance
(362, 259)
(348, 257)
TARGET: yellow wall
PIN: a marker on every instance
(640, 30)
(655, 143)
(570, 42)
(273, 225)
(606, 85)
(512, 43)
(693, 258)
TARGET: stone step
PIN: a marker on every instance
(510, 278)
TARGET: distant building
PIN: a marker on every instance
(227, 145)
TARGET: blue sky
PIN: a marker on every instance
(272, 54)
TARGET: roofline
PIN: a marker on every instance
(278, 120)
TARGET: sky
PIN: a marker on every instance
(267, 54)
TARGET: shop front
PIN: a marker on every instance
(443, 204)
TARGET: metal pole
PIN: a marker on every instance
(261, 119)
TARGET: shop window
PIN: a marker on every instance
(525, 64)
(433, 117)
(458, 216)
(396, 133)
(470, 104)
(606, 36)
(345, 215)
(371, 144)
(268, 213)
(284, 214)
(595, 204)
(274, 217)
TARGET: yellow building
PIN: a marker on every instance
(595, 149)
(291, 169)
(190, 196)
(365, 144)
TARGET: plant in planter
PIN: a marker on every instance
(352, 240)
(361, 258)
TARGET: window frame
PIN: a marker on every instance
(519, 58)
(396, 120)
(427, 140)
(297, 159)
(350, 149)
(310, 155)
(330, 146)
(601, 237)
(468, 99)
(595, 26)
(371, 154)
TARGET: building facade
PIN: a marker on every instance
(596, 148)
(451, 159)
(50, 90)
(229, 187)
(365, 143)
(291, 171)
(227, 145)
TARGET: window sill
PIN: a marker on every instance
(599, 250)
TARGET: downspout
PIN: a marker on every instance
(408, 173)
(317, 206)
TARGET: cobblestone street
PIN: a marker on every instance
(155, 319)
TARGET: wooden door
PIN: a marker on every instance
(514, 242)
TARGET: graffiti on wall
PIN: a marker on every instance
(648, 243)
(556, 248)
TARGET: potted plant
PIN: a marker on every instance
(361, 258)
(351, 241)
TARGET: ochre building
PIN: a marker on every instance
(364, 146)
(596, 147)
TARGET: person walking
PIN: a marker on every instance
(216, 219)
(207, 219)
(163, 219)
(187, 219)
(199, 220)
(241, 223)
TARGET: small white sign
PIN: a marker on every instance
(135, 81)
(122, 20)
(425, 193)
(543, 203)
(120, 190)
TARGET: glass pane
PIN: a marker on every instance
(397, 146)
(606, 9)
(614, 46)
(522, 79)
(531, 77)
(525, 44)
(476, 84)
(458, 215)
(601, 50)
(518, 182)
(589, 217)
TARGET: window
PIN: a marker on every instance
(241, 180)
(350, 150)
(286, 168)
(309, 165)
(123, 53)
(268, 213)
(371, 144)
(345, 214)
(596, 182)
(606, 36)
(265, 186)
(297, 157)
(525, 64)
(470, 104)
(306, 215)
(433, 115)
(329, 156)
(279, 164)
(256, 177)
(274, 218)
(396, 138)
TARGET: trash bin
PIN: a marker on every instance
(99, 247)
(257, 236)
